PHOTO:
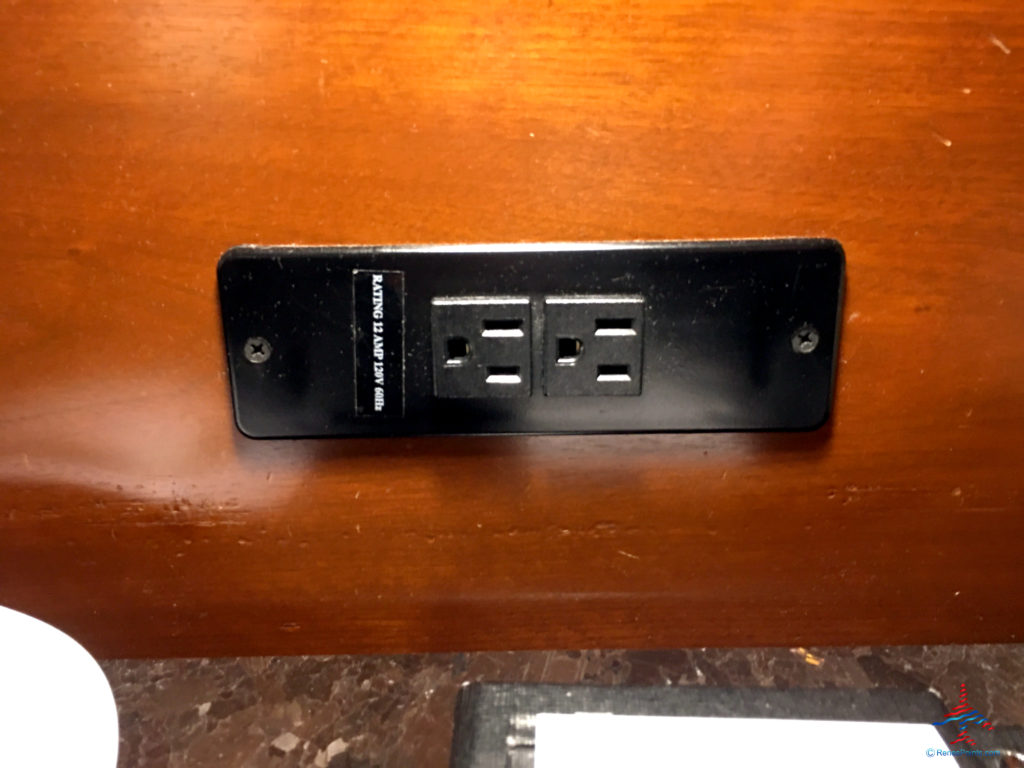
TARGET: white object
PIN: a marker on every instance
(56, 706)
(604, 740)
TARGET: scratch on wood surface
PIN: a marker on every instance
(180, 523)
(942, 139)
(999, 44)
(630, 555)
(851, 488)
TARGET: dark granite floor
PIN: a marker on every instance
(361, 711)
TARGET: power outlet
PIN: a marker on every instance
(482, 347)
(593, 345)
(532, 338)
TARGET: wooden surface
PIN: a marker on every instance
(140, 139)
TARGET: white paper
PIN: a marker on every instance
(56, 706)
(604, 740)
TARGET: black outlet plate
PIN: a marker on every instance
(348, 347)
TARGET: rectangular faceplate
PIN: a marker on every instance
(531, 338)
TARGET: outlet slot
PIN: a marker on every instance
(614, 326)
(458, 351)
(509, 329)
(608, 373)
(569, 350)
(503, 375)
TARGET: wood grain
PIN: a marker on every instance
(138, 140)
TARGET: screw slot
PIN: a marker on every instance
(805, 339)
(257, 350)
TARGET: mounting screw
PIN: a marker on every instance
(805, 339)
(257, 349)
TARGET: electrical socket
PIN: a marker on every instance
(482, 346)
(326, 341)
(593, 345)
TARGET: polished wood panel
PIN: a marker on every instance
(140, 139)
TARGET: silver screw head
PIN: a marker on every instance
(805, 339)
(257, 349)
